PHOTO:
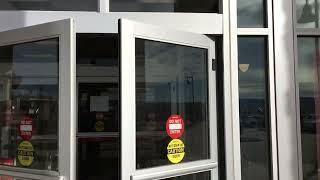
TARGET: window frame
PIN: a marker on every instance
(129, 31)
(63, 30)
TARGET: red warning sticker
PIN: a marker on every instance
(175, 126)
(25, 128)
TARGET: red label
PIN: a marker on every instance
(25, 128)
(3, 177)
(7, 162)
(175, 126)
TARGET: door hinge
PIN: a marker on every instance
(214, 64)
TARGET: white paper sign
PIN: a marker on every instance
(99, 103)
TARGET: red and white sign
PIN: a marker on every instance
(25, 128)
(7, 162)
(175, 126)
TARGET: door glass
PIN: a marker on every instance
(98, 143)
(199, 6)
(254, 108)
(29, 104)
(309, 93)
(172, 104)
(49, 5)
(197, 176)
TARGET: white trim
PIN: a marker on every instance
(127, 64)
(254, 31)
(230, 153)
(93, 22)
(103, 6)
(307, 32)
(180, 170)
(235, 90)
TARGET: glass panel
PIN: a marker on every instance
(201, 6)
(307, 13)
(29, 105)
(172, 104)
(98, 107)
(252, 14)
(50, 5)
(198, 176)
(308, 76)
(254, 110)
(98, 158)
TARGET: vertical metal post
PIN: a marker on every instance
(103, 6)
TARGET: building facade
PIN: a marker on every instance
(159, 89)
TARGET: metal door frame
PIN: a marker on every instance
(129, 30)
(64, 30)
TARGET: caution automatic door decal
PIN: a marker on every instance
(175, 129)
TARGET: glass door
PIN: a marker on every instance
(37, 101)
(168, 106)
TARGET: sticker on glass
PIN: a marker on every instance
(175, 126)
(99, 126)
(25, 153)
(175, 151)
(25, 128)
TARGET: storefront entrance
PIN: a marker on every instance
(137, 104)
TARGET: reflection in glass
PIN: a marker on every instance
(199, 6)
(197, 176)
(251, 13)
(5, 177)
(49, 5)
(254, 118)
(308, 76)
(98, 137)
(307, 12)
(29, 90)
(170, 79)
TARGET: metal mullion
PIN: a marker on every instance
(272, 93)
(272, 109)
(299, 140)
(95, 134)
(231, 155)
(103, 6)
(296, 32)
(175, 170)
(234, 86)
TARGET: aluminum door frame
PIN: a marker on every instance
(64, 30)
(129, 30)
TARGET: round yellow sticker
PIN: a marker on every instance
(175, 151)
(25, 153)
(99, 126)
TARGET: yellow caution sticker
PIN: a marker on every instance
(175, 151)
(99, 126)
(25, 153)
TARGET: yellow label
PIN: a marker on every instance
(25, 153)
(175, 151)
(99, 126)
